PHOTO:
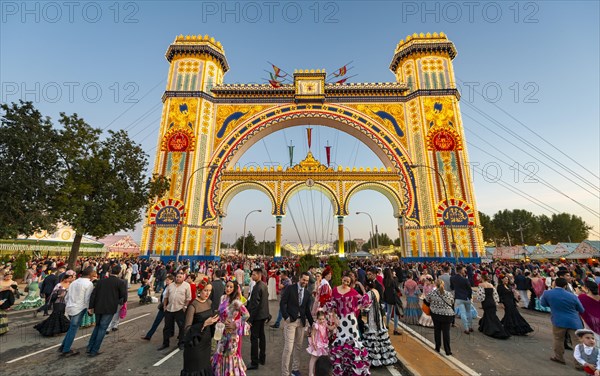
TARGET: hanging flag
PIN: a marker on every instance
(309, 133)
(341, 72)
(291, 151)
(341, 81)
(275, 83)
(328, 153)
(277, 71)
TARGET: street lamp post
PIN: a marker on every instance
(244, 235)
(349, 236)
(453, 245)
(265, 237)
(372, 227)
(185, 187)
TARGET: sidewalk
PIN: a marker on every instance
(418, 358)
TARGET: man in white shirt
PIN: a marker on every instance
(175, 300)
(239, 276)
(77, 302)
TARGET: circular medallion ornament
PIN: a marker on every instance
(178, 142)
(443, 141)
(310, 182)
(168, 212)
(455, 213)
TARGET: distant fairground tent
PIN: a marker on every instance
(588, 249)
(56, 243)
(120, 246)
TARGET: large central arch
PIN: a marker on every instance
(373, 134)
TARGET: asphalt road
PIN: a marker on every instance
(123, 352)
(24, 352)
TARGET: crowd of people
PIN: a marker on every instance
(346, 325)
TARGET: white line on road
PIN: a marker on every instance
(166, 358)
(57, 345)
(393, 371)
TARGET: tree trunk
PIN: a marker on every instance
(74, 251)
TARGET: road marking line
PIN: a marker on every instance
(448, 359)
(57, 345)
(166, 358)
(393, 371)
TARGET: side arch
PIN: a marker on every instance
(233, 190)
(384, 189)
(327, 191)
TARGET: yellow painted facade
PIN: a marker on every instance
(413, 125)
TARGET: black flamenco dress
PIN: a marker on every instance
(490, 324)
(197, 342)
(57, 322)
(512, 321)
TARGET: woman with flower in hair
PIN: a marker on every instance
(324, 290)
(348, 354)
(227, 360)
(197, 339)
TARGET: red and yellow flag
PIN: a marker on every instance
(277, 71)
(341, 72)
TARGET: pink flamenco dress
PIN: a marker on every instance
(318, 342)
(349, 356)
(227, 359)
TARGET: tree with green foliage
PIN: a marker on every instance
(268, 246)
(251, 247)
(564, 227)
(338, 266)
(382, 239)
(350, 246)
(307, 261)
(512, 222)
(98, 187)
(104, 185)
(21, 265)
(489, 231)
(29, 171)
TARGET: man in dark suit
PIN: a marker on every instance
(295, 309)
(46, 289)
(108, 294)
(218, 288)
(258, 307)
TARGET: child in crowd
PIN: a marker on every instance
(586, 353)
(323, 366)
(318, 342)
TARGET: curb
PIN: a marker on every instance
(451, 361)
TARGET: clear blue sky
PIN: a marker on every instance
(536, 64)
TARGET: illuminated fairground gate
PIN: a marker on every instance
(413, 125)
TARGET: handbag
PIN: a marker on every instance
(425, 308)
(123, 311)
(399, 306)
